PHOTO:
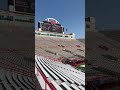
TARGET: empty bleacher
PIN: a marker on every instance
(51, 73)
(14, 81)
(103, 57)
(113, 34)
(58, 47)
(108, 51)
(16, 71)
(60, 76)
(17, 63)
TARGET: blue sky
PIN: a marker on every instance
(70, 13)
(106, 12)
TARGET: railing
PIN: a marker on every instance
(48, 86)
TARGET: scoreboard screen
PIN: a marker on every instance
(57, 28)
(47, 26)
(27, 6)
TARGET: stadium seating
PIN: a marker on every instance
(109, 51)
(16, 71)
(104, 62)
(17, 63)
(56, 47)
(113, 34)
(60, 76)
(13, 81)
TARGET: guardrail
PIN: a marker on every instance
(47, 83)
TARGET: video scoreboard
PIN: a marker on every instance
(48, 26)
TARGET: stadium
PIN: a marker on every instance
(59, 58)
